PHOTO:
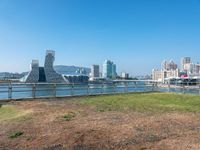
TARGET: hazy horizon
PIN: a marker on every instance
(136, 35)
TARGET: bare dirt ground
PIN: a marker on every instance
(45, 128)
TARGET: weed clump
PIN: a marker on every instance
(16, 134)
(69, 116)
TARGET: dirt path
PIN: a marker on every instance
(47, 128)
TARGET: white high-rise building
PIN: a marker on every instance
(95, 71)
(184, 63)
(168, 65)
(125, 75)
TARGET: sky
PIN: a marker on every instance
(137, 35)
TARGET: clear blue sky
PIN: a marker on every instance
(136, 34)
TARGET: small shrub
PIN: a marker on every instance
(69, 116)
(100, 110)
(16, 134)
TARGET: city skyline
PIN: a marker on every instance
(159, 65)
(135, 35)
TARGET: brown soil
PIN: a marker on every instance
(47, 129)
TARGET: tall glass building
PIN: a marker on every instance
(109, 70)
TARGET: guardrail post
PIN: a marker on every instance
(135, 85)
(125, 87)
(199, 87)
(102, 88)
(153, 86)
(88, 89)
(54, 88)
(145, 86)
(33, 91)
(184, 89)
(10, 91)
(169, 86)
(114, 87)
(198, 84)
(72, 90)
(156, 86)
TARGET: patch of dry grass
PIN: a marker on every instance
(8, 112)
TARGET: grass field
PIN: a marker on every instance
(142, 102)
(9, 112)
(111, 122)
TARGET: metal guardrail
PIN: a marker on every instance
(19, 91)
(180, 86)
(9, 91)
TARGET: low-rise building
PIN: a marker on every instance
(192, 68)
(161, 75)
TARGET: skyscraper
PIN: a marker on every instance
(109, 70)
(33, 75)
(51, 75)
(95, 71)
(184, 63)
(168, 65)
(114, 74)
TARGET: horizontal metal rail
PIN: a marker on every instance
(18, 91)
(28, 90)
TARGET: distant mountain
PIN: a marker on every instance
(70, 69)
(11, 75)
